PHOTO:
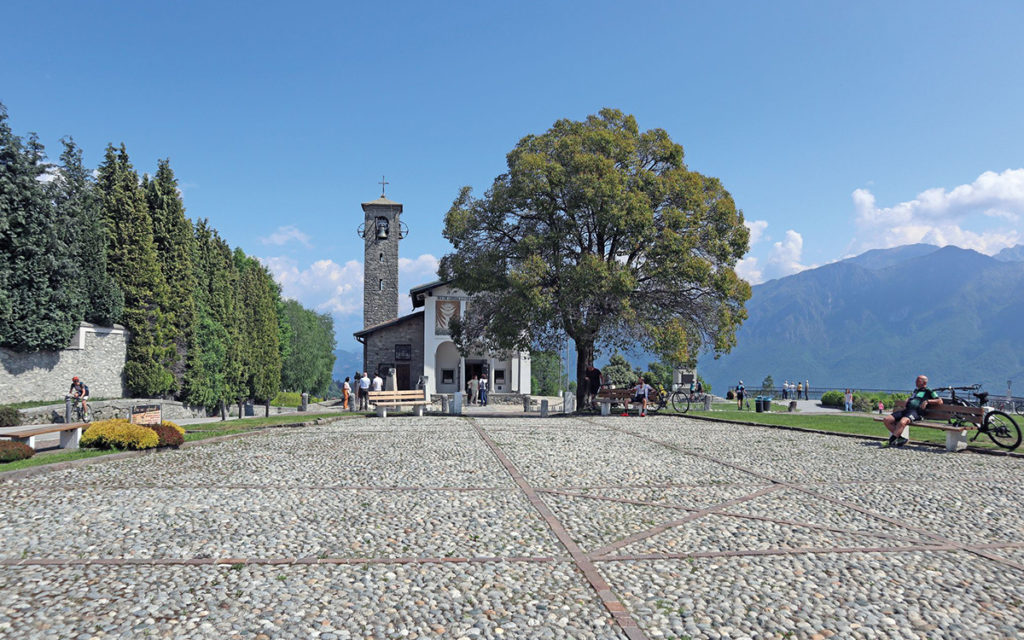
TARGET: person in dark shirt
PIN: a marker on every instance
(593, 383)
(917, 404)
(80, 390)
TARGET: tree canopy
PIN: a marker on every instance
(599, 231)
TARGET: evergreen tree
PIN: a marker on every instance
(259, 330)
(80, 219)
(173, 237)
(132, 262)
(618, 371)
(40, 307)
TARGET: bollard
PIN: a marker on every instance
(569, 402)
(67, 410)
(526, 404)
(305, 402)
(543, 408)
(456, 406)
(444, 404)
(707, 403)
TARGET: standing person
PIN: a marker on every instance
(640, 393)
(807, 390)
(693, 388)
(848, 398)
(785, 390)
(919, 400)
(80, 390)
(378, 382)
(483, 391)
(740, 391)
(364, 392)
(593, 384)
(474, 389)
(346, 392)
(799, 390)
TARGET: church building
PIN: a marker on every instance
(418, 346)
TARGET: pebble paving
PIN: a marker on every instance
(502, 527)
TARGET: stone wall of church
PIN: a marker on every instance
(380, 347)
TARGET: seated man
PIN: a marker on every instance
(918, 402)
(640, 393)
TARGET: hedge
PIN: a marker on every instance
(9, 416)
(11, 451)
(120, 434)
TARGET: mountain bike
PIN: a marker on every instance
(682, 399)
(999, 426)
(78, 413)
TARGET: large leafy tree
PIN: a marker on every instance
(40, 304)
(133, 263)
(310, 357)
(173, 238)
(600, 232)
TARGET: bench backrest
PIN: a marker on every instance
(626, 394)
(410, 394)
(944, 412)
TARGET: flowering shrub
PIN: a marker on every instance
(119, 433)
(9, 416)
(11, 451)
(170, 434)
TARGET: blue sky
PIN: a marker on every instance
(837, 127)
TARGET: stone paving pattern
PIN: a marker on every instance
(442, 527)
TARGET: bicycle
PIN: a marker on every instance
(681, 400)
(79, 413)
(999, 426)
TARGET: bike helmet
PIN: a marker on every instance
(75, 379)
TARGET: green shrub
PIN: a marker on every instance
(11, 451)
(170, 434)
(291, 399)
(119, 433)
(833, 399)
(9, 416)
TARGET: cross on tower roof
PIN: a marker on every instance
(382, 184)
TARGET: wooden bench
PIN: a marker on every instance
(384, 399)
(70, 434)
(608, 397)
(940, 416)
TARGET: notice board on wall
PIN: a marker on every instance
(146, 414)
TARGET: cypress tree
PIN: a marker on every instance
(133, 264)
(81, 219)
(259, 329)
(173, 237)
(40, 306)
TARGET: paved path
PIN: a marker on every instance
(519, 528)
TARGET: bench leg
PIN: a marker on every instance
(69, 439)
(956, 440)
(418, 410)
(606, 408)
(382, 412)
(29, 440)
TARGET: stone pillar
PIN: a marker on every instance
(305, 402)
(456, 405)
(544, 408)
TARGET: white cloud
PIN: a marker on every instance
(748, 270)
(286, 234)
(786, 255)
(756, 228)
(985, 215)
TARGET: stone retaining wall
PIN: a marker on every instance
(96, 354)
(106, 409)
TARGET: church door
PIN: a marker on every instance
(402, 376)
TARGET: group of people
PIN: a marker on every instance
(476, 390)
(641, 391)
(796, 390)
(356, 390)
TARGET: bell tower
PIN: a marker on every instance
(381, 230)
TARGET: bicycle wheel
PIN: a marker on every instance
(681, 401)
(1001, 429)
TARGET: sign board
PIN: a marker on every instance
(147, 414)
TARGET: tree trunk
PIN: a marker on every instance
(267, 414)
(584, 357)
(223, 410)
(240, 412)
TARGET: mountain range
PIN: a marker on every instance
(877, 320)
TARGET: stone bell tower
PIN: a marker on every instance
(381, 230)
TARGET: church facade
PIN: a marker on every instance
(418, 346)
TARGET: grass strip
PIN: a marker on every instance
(53, 458)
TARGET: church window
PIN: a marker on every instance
(381, 285)
(499, 376)
(447, 376)
(403, 352)
(382, 257)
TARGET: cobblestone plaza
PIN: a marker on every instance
(504, 527)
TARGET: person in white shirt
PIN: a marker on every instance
(378, 382)
(483, 391)
(474, 389)
(364, 392)
(346, 394)
(640, 393)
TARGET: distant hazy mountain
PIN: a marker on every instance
(1011, 254)
(346, 363)
(880, 318)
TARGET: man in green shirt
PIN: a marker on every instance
(918, 402)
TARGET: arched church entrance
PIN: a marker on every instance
(446, 367)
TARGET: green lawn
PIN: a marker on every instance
(202, 432)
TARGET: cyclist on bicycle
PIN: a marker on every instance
(919, 400)
(80, 390)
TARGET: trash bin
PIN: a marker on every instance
(759, 404)
(767, 404)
